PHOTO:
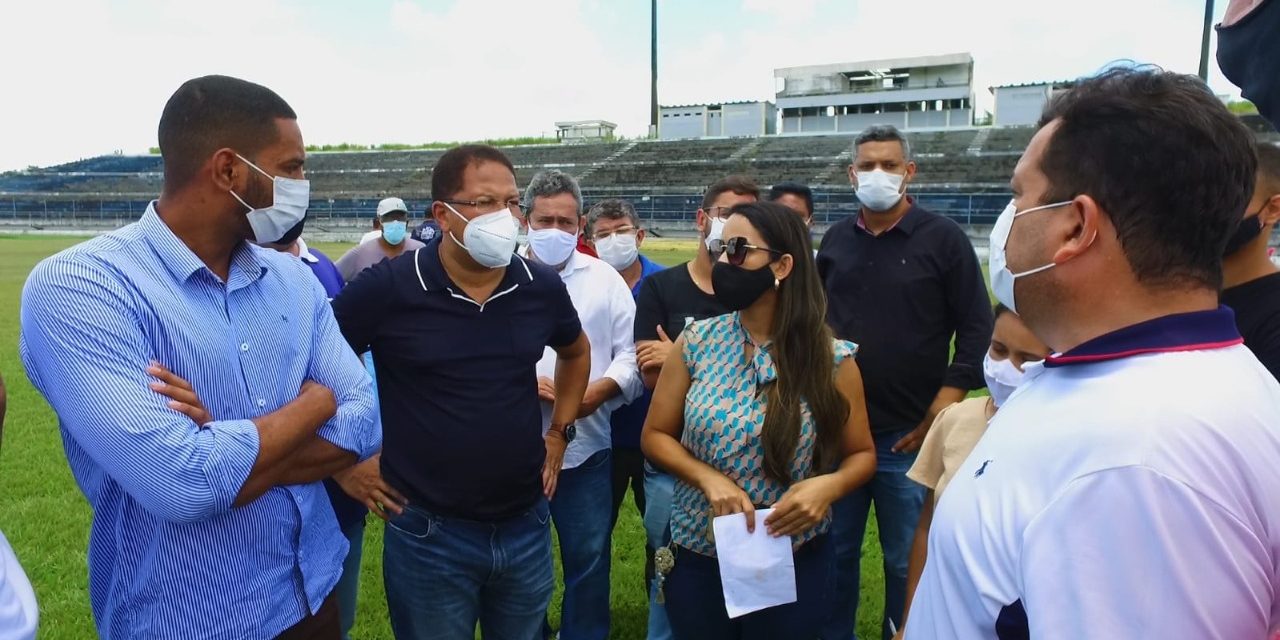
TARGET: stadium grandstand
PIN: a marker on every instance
(963, 173)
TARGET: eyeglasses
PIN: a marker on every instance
(489, 205)
(625, 231)
(737, 249)
(719, 212)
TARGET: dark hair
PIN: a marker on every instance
(612, 209)
(1000, 310)
(882, 133)
(1172, 167)
(801, 338)
(216, 112)
(446, 177)
(740, 185)
(794, 188)
(1269, 166)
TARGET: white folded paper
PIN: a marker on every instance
(757, 570)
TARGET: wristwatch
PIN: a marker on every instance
(568, 432)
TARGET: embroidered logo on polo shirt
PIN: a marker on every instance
(983, 469)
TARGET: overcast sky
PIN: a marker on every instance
(88, 77)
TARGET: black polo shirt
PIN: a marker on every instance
(461, 418)
(902, 296)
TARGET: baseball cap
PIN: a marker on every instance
(391, 205)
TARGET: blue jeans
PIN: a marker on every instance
(442, 575)
(898, 501)
(695, 599)
(658, 487)
(349, 584)
(582, 511)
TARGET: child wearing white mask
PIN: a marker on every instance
(958, 428)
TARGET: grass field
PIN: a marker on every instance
(46, 518)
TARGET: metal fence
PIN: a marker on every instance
(830, 206)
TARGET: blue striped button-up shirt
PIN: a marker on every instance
(169, 557)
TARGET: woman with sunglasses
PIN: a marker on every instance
(758, 408)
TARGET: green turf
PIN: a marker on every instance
(47, 519)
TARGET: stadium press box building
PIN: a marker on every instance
(928, 92)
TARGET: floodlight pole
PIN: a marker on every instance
(1204, 40)
(653, 68)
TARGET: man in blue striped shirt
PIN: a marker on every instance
(209, 520)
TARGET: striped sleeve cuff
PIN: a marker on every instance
(231, 458)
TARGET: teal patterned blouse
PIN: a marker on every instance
(723, 417)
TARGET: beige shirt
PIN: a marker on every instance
(367, 254)
(953, 435)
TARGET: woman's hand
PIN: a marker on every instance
(802, 507)
(727, 497)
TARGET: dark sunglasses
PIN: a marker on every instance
(737, 249)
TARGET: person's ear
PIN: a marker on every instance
(1270, 213)
(1073, 239)
(701, 222)
(582, 225)
(377, 223)
(440, 213)
(228, 171)
(783, 266)
(911, 172)
(853, 176)
(639, 237)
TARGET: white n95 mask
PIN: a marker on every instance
(289, 200)
(490, 238)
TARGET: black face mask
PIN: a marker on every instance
(1249, 56)
(1248, 229)
(737, 288)
(293, 234)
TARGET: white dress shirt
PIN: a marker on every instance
(607, 312)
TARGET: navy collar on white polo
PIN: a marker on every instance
(1194, 331)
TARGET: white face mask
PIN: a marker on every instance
(717, 231)
(1001, 278)
(878, 190)
(1002, 378)
(552, 246)
(618, 250)
(490, 238)
(289, 200)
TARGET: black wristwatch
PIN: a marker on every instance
(568, 432)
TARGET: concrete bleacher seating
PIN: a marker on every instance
(1008, 139)
(960, 170)
(683, 164)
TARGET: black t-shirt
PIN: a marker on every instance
(1257, 307)
(670, 298)
(457, 381)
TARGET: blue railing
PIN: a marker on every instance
(965, 207)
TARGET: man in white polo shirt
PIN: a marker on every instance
(582, 508)
(1131, 487)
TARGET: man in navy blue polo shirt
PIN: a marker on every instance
(1127, 488)
(469, 320)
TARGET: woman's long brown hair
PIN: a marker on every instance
(802, 351)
